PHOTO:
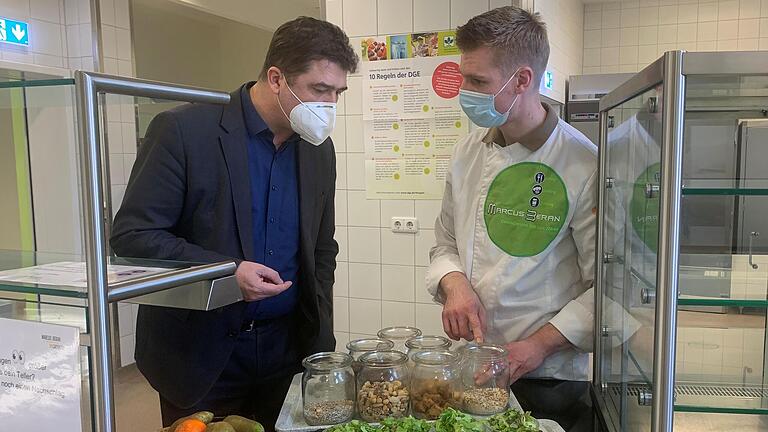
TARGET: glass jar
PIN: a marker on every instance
(399, 335)
(427, 343)
(485, 375)
(435, 384)
(383, 386)
(328, 388)
(357, 348)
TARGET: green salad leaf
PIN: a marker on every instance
(513, 420)
(353, 426)
(405, 424)
(452, 420)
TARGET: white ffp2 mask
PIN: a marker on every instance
(313, 121)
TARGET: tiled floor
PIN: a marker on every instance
(138, 406)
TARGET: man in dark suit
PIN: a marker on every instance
(252, 181)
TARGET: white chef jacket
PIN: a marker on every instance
(523, 293)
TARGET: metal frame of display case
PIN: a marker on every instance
(670, 70)
(88, 86)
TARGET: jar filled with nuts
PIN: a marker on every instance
(436, 384)
(485, 375)
(399, 335)
(357, 348)
(383, 386)
(328, 388)
(427, 343)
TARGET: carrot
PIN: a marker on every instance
(191, 425)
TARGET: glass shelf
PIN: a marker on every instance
(728, 187)
(37, 83)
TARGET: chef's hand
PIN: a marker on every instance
(463, 313)
(528, 354)
(258, 282)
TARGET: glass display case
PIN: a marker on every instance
(682, 253)
(63, 135)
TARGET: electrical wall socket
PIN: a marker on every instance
(408, 225)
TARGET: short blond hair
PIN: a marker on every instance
(518, 37)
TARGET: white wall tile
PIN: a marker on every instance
(127, 349)
(707, 31)
(429, 319)
(73, 41)
(749, 45)
(609, 56)
(727, 30)
(363, 212)
(125, 319)
(355, 139)
(688, 13)
(46, 10)
(342, 339)
(86, 39)
(499, 3)
(763, 27)
(706, 46)
(648, 35)
(397, 313)
(122, 14)
(395, 16)
(365, 281)
(611, 6)
(628, 68)
(109, 41)
(646, 54)
(648, 16)
(630, 17)
(125, 67)
(356, 171)
(339, 133)
(420, 286)
(592, 57)
(668, 34)
(707, 12)
(728, 45)
(342, 238)
(610, 38)
(628, 55)
(592, 38)
(341, 275)
(611, 18)
(129, 160)
(340, 314)
(727, 10)
(749, 28)
(397, 248)
(114, 136)
(359, 17)
(333, 12)
(354, 100)
(763, 44)
(130, 143)
(431, 15)
(427, 212)
(107, 10)
(364, 245)
(395, 208)
(46, 38)
(425, 239)
(593, 7)
(340, 201)
(364, 316)
(593, 20)
(764, 8)
(629, 36)
(341, 171)
(749, 9)
(687, 32)
(463, 10)
(124, 50)
(397, 283)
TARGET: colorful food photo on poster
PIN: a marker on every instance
(425, 44)
(399, 47)
(374, 48)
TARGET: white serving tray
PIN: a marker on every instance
(291, 417)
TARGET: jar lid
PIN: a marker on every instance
(484, 351)
(428, 342)
(370, 344)
(402, 332)
(435, 358)
(326, 361)
(384, 359)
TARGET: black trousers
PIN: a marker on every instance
(566, 402)
(256, 379)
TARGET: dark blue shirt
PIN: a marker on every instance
(275, 209)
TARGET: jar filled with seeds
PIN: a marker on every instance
(357, 348)
(328, 389)
(485, 376)
(383, 388)
(427, 343)
(435, 384)
(399, 335)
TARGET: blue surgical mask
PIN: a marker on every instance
(481, 107)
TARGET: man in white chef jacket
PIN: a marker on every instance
(514, 257)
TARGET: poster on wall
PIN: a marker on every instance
(411, 113)
(40, 381)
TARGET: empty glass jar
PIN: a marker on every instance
(383, 386)
(328, 388)
(485, 375)
(399, 335)
(435, 384)
(427, 343)
(357, 348)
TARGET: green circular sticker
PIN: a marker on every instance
(526, 207)
(643, 210)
